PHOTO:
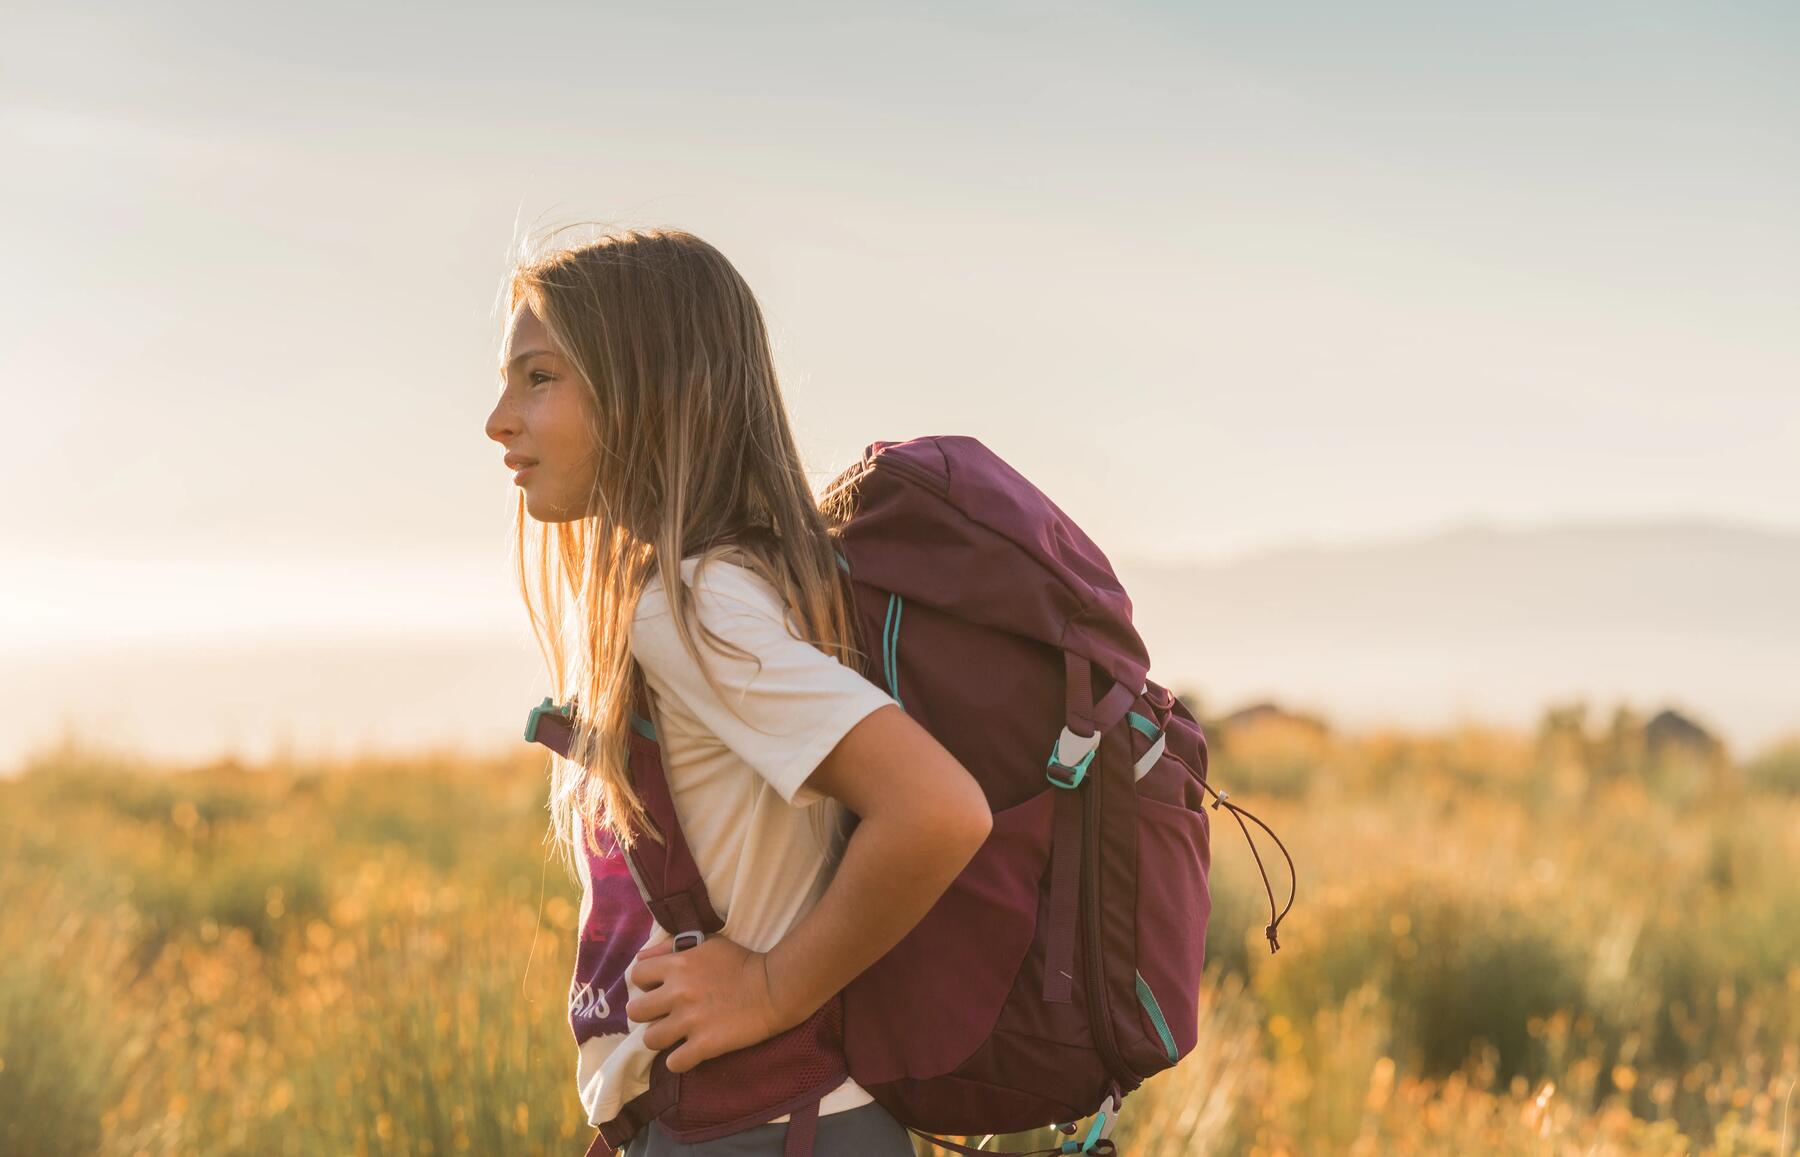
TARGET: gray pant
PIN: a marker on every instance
(865, 1131)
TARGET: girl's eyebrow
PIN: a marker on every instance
(519, 357)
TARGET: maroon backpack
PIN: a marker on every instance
(1062, 967)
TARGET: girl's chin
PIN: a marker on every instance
(546, 511)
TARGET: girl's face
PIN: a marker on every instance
(541, 419)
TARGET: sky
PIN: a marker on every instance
(1218, 278)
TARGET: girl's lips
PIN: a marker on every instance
(519, 474)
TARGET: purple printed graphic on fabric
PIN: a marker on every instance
(616, 926)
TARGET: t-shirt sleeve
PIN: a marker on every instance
(783, 719)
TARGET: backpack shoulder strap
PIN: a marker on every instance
(666, 873)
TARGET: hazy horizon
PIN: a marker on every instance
(1476, 624)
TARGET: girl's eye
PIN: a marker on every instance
(540, 374)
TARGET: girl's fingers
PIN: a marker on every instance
(683, 1058)
(647, 973)
(649, 1006)
(661, 1035)
(660, 948)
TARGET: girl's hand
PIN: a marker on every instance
(717, 995)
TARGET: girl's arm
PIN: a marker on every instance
(922, 818)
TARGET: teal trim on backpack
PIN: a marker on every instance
(547, 707)
(1093, 1135)
(1145, 726)
(1086, 1144)
(890, 647)
(843, 563)
(1156, 1017)
(643, 727)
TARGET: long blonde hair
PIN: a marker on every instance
(695, 457)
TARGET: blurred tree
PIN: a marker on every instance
(1777, 768)
(1565, 754)
(1682, 759)
(1620, 751)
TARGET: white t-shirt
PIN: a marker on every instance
(736, 782)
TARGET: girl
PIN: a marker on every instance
(668, 507)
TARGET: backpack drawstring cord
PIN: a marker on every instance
(1222, 798)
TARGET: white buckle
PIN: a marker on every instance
(1111, 1108)
(1071, 748)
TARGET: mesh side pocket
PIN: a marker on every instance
(748, 1086)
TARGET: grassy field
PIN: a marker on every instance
(1502, 944)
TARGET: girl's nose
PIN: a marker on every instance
(500, 423)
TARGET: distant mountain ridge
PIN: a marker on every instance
(1492, 623)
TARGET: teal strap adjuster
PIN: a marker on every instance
(1071, 755)
(565, 711)
(1100, 1131)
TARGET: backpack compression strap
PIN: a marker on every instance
(1086, 723)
